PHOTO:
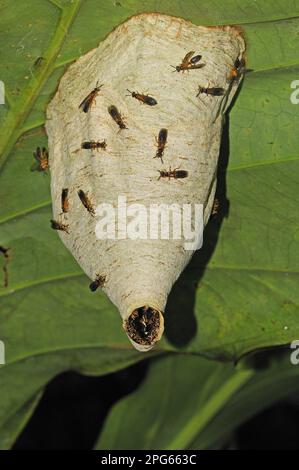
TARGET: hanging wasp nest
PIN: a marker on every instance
(158, 143)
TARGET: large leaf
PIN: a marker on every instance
(11, 427)
(191, 402)
(239, 293)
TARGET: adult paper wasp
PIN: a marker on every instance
(237, 70)
(5, 252)
(98, 282)
(59, 226)
(86, 202)
(141, 320)
(189, 62)
(143, 98)
(161, 142)
(87, 102)
(175, 173)
(42, 160)
(65, 200)
(38, 62)
(93, 145)
(215, 208)
(214, 91)
(117, 117)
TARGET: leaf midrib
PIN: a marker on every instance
(203, 415)
(19, 111)
(67, 276)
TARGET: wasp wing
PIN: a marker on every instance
(197, 66)
(187, 57)
(37, 154)
(196, 59)
(85, 104)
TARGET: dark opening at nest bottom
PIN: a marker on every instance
(143, 325)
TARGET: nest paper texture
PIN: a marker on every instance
(137, 56)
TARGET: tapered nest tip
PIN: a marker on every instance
(144, 326)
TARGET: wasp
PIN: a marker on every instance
(86, 202)
(161, 143)
(214, 91)
(92, 145)
(237, 70)
(5, 252)
(38, 62)
(42, 160)
(87, 102)
(215, 208)
(189, 62)
(117, 117)
(59, 226)
(175, 173)
(143, 98)
(142, 321)
(65, 200)
(98, 282)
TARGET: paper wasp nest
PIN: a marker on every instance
(138, 275)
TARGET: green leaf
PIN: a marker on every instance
(239, 293)
(275, 380)
(190, 402)
(11, 428)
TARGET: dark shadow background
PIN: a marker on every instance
(74, 407)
